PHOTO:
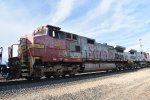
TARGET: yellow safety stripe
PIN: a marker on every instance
(29, 46)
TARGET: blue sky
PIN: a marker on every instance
(121, 22)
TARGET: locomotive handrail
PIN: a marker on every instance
(10, 51)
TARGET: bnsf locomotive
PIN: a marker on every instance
(49, 51)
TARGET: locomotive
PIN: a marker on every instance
(51, 52)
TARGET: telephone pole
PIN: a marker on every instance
(140, 41)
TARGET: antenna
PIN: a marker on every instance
(140, 41)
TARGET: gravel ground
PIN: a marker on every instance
(133, 85)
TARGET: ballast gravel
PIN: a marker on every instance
(132, 85)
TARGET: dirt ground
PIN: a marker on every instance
(133, 85)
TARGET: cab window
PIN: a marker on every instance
(55, 35)
(58, 34)
(50, 33)
(90, 41)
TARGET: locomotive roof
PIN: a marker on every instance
(56, 28)
(59, 29)
(53, 27)
(119, 48)
(132, 50)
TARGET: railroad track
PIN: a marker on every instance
(45, 81)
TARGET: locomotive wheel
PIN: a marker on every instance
(117, 69)
(56, 76)
(123, 68)
(113, 70)
(64, 75)
(73, 72)
(29, 78)
(58, 73)
(36, 78)
(120, 68)
(48, 75)
(72, 75)
(107, 71)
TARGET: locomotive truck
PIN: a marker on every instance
(51, 52)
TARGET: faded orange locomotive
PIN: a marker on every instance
(51, 52)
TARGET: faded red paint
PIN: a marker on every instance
(28, 39)
(145, 55)
(48, 54)
(53, 50)
(50, 42)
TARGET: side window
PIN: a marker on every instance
(68, 36)
(74, 37)
(90, 41)
(50, 32)
(61, 35)
(55, 35)
(77, 48)
(131, 52)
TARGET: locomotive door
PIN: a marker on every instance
(73, 47)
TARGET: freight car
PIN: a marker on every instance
(51, 52)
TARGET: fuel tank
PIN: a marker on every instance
(98, 66)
